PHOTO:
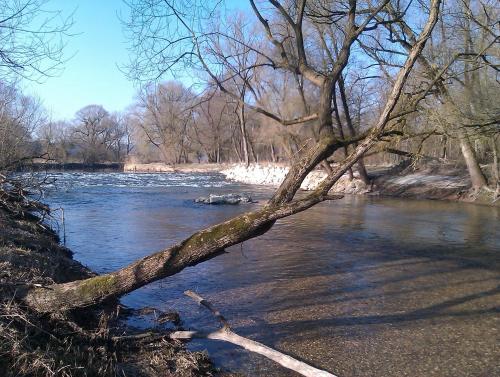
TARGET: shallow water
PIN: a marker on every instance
(361, 286)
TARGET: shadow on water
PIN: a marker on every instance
(362, 286)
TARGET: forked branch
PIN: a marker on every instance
(226, 334)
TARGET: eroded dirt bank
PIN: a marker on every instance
(84, 343)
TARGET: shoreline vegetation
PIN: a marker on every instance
(71, 166)
(96, 342)
(436, 181)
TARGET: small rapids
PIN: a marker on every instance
(75, 180)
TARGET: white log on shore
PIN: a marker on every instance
(225, 333)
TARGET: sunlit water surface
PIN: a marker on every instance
(362, 286)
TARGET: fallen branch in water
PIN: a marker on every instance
(227, 335)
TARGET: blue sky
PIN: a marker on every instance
(96, 50)
(91, 76)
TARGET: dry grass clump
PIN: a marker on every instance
(48, 346)
(163, 357)
(34, 345)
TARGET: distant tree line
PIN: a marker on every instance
(449, 111)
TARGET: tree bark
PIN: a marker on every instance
(363, 174)
(496, 162)
(255, 156)
(477, 177)
(273, 153)
(341, 129)
(304, 164)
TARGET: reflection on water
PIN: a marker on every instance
(360, 286)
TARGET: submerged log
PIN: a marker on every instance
(226, 334)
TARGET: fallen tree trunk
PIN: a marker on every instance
(204, 244)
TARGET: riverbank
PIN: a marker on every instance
(71, 166)
(83, 343)
(392, 281)
(431, 181)
(158, 167)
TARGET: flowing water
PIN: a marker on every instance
(361, 286)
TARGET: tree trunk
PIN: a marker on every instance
(341, 129)
(496, 161)
(444, 143)
(476, 175)
(244, 138)
(363, 174)
(236, 149)
(273, 153)
(252, 150)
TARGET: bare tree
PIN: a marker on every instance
(31, 47)
(292, 56)
(20, 116)
(55, 139)
(453, 73)
(240, 62)
(91, 132)
(32, 38)
(212, 126)
(123, 135)
(166, 117)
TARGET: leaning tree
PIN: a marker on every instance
(170, 35)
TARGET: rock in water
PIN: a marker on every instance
(225, 199)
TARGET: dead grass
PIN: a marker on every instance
(73, 344)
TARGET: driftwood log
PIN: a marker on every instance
(226, 334)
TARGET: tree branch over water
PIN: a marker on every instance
(210, 242)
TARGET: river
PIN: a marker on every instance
(363, 286)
